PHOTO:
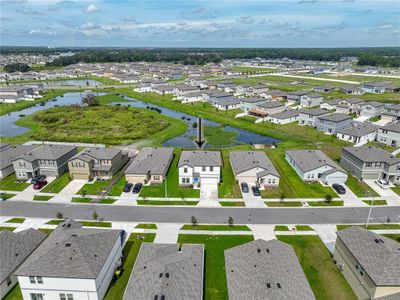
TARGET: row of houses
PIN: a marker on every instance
(16, 93)
(73, 262)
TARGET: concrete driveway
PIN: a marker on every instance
(30, 192)
(127, 199)
(252, 201)
(388, 194)
(350, 199)
(361, 119)
(209, 195)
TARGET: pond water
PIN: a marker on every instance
(72, 82)
(9, 128)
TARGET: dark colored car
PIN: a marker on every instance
(339, 189)
(38, 178)
(39, 184)
(128, 187)
(137, 188)
(245, 187)
(256, 191)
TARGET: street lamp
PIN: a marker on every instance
(368, 193)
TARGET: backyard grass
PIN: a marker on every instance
(117, 286)
(14, 293)
(110, 98)
(218, 137)
(325, 203)
(146, 226)
(7, 228)
(281, 228)
(41, 198)
(172, 181)
(371, 226)
(284, 204)
(228, 188)
(376, 202)
(303, 228)
(360, 188)
(6, 196)
(216, 227)
(381, 145)
(231, 203)
(11, 183)
(57, 184)
(16, 220)
(94, 188)
(215, 287)
(324, 277)
(162, 202)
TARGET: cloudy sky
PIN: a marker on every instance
(200, 23)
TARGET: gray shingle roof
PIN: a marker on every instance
(252, 100)
(372, 154)
(101, 153)
(378, 256)
(373, 104)
(228, 102)
(242, 161)
(285, 114)
(337, 117)
(272, 104)
(392, 127)
(313, 112)
(199, 158)
(151, 160)
(52, 152)
(16, 247)
(252, 267)
(360, 129)
(8, 155)
(71, 252)
(308, 160)
(184, 268)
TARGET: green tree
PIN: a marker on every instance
(230, 221)
(193, 221)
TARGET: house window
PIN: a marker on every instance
(32, 279)
(63, 297)
(211, 169)
(185, 170)
(70, 297)
(22, 164)
(203, 169)
(8, 280)
(39, 280)
(37, 296)
(369, 164)
(156, 177)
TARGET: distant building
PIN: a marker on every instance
(358, 133)
(309, 117)
(333, 123)
(284, 117)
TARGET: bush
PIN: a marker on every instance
(328, 198)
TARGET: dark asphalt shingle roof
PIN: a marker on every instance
(285, 114)
(199, 158)
(337, 117)
(308, 160)
(372, 154)
(378, 256)
(51, 152)
(395, 127)
(359, 130)
(8, 155)
(252, 267)
(313, 112)
(242, 161)
(151, 160)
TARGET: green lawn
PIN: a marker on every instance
(216, 227)
(11, 183)
(84, 223)
(228, 188)
(172, 181)
(7, 228)
(231, 203)
(94, 188)
(16, 220)
(376, 202)
(42, 198)
(116, 190)
(6, 196)
(284, 204)
(396, 189)
(46, 230)
(146, 226)
(325, 278)
(117, 287)
(395, 237)
(57, 184)
(14, 294)
(218, 137)
(304, 228)
(360, 188)
(325, 203)
(215, 278)
(281, 228)
(372, 226)
(110, 98)
(89, 200)
(162, 202)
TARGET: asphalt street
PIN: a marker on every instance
(328, 215)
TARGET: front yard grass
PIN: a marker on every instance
(94, 188)
(376, 202)
(16, 220)
(371, 226)
(14, 294)
(7, 228)
(117, 286)
(396, 189)
(395, 237)
(303, 228)
(163, 202)
(284, 204)
(215, 287)
(232, 203)
(360, 188)
(6, 196)
(281, 228)
(228, 188)
(216, 227)
(325, 203)
(11, 183)
(324, 277)
(84, 223)
(41, 198)
(146, 226)
(57, 184)
(116, 190)
(172, 181)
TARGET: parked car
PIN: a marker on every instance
(256, 191)
(339, 188)
(38, 178)
(245, 187)
(382, 183)
(137, 188)
(39, 184)
(128, 187)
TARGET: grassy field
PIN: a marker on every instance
(372, 226)
(228, 188)
(57, 184)
(218, 137)
(360, 188)
(117, 287)
(84, 223)
(89, 200)
(16, 220)
(215, 279)
(110, 98)
(172, 181)
(232, 203)
(216, 227)
(251, 70)
(11, 183)
(146, 226)
(324, 277)
(396, 189)
(118, 187)
(41, 198)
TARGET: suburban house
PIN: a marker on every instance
(330, 105)
(72, 263)
(284, 117)
(358, 133)
(264, 109)
(254, 168)
(314, 165)
(375, 88)
(295, 97)
(199, 166)
(167, 271)
(9, 154)
(101, 163)
(352, 90)
(215, 96)
(50, 160)
(15, 249)
(370, 263)
(309, 116)
(389, 134)
(274, 95)
(191, 97)
(163, 89)
(333, 123)
(325, 88)
(150, 165)
(246, 104)
(263, 269)
(181, 90)
(395, 109)
(373, 163)
(257, 89)
(349, 106)
(371, 109)
(310, 100)
(227, 104)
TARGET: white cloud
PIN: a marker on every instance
(92, 8)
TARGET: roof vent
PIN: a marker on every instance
(16, 254)
(67, 245)
(267, 250)
(268, 285)
(258, 250)
(279, 285)
(160, 275)
(144, 267)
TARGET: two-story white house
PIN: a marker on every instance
(199, 166)
(73, 263)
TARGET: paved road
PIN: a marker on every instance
(203, 215)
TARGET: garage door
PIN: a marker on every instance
(209, 180)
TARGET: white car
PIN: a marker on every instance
(382, 183)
